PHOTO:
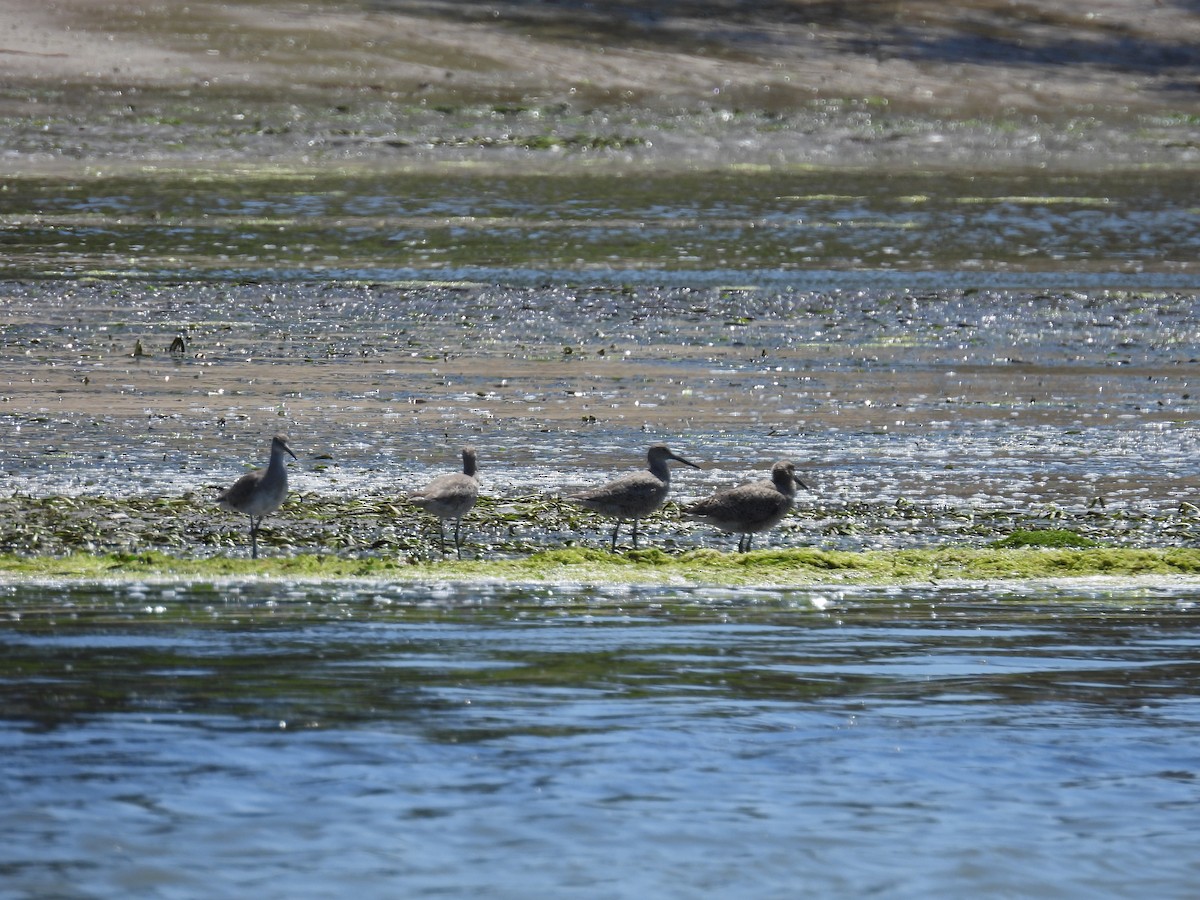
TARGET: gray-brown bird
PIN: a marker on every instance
(751, 508)
(451, 497)
(260, 492)
(634, 496)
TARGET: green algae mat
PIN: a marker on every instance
(798, 567)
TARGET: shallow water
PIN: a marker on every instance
(292, 740)
(817, 230)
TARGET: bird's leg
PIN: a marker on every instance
(635, 521)
(254, 537)
(457, 539)
(616, 528)
(442, 533)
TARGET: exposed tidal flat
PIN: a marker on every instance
(922, 421)
(918, 418)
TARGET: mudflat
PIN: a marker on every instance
(702, 83)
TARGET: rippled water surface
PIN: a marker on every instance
(822, 229)
(289, 740)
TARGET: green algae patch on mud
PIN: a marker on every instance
(780, 568)
(1060, 538)
(1031, 563)
(153, 564)
(783, 568)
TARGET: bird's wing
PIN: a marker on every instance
(240, 490)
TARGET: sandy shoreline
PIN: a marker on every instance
(1045, 57)
(413, 84)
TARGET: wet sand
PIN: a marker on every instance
(983, 84)
(952, 416)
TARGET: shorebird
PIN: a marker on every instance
(450, 497)
(751, 508)
(636, 495)
(260, 492)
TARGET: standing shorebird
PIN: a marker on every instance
(634, 496)
(260, 492)
(751, 508)
(450, 497)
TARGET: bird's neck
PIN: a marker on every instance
(277, 465)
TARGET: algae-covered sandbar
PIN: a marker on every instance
(765, 568)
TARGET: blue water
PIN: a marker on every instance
(383, 741)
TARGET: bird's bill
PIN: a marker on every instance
(686, 462)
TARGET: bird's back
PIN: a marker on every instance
(447, 496)
(236, 495)
(633, 496)
(254, 494)
(746, 509)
